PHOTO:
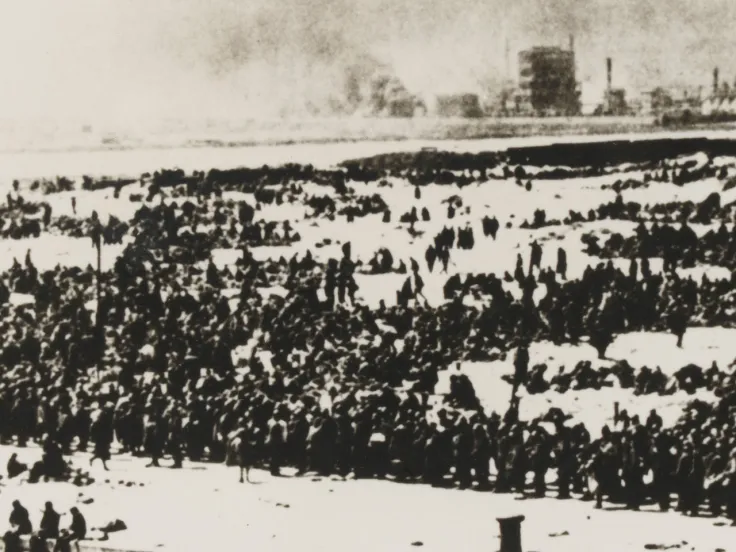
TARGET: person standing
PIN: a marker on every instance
(101, 432)
(632, 473)
(690, 475)
(482, 453)
(277, 443)
(535, 259)
(78, 527)
(663, 468)
(521, 368)
(566, 463)
(50, 522)
(562, 263)
(463, 442)
(175, 439)
(541, 452)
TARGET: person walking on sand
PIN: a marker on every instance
(101, 432)
(418, 282)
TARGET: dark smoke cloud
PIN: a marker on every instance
(140, 60)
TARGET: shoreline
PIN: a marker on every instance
(330, 132)
(132, 162)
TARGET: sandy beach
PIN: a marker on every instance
(203, 506)
(194, 508)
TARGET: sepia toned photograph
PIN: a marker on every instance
(367, 275)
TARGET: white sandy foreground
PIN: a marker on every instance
(203, 507)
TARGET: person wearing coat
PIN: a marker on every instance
(49, 528)
(20, 520)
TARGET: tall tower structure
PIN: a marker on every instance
(547, 78)
(715, 81)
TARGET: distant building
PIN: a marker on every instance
(678, 105)
(661, 100)
(507, 102)
(389, 98)
(614, 99)
(721, 103)
(547, 82)
(640, 104)
(615, 102)
(459, 105)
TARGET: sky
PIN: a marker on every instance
(139, 60)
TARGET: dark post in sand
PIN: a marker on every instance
(510, 533)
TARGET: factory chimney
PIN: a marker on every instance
(609, 71)
(715, 81)
(572, 43)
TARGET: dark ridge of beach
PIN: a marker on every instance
(562, 154)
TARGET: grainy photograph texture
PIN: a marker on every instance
(367, 275)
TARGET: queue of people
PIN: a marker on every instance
(678, 246)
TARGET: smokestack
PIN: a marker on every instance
(572, 43)
(715, 80)
(609, 71)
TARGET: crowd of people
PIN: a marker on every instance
(708, 211)
(678, 246)
(353, 207)
(642, 381)
(654, 162)
(178, 360)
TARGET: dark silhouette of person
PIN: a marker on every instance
(15, 468)
(20, 520)
(49, 528)
(78, 527)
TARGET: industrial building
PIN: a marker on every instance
(389, 98)
(688, 106)
(721, 103)
(614, 99)
(547, 82)
(459, 105)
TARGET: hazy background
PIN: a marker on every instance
(137, 61)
